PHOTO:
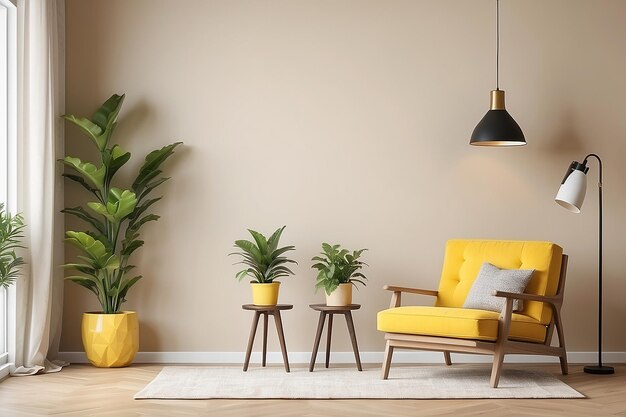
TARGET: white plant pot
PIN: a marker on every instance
(342, 296)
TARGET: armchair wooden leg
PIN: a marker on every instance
(446, 356)
(504, 323)
(496, 368)
(559, 332)
(563, 360)
(387, 359)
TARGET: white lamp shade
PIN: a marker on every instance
(572, 192)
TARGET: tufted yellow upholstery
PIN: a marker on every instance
(463, 259)
(462, 262)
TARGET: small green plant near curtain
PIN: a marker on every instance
(338, 266)
(263, 260)
(11, 234)
(115, 215)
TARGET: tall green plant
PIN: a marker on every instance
(11, 229)
(338, 266)
(116, 215)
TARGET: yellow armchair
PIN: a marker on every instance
(448, 327)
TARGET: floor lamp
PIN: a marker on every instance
(571, 196)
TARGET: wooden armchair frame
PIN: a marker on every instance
(500, 347)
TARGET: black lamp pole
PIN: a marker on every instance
(599, 368)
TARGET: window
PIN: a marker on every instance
(8, 147)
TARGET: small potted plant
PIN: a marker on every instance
(338, 272)
(11, 229)
(264, 264)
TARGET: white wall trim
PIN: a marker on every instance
(347, 357)
(4, 370)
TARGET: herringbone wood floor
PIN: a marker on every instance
(81, 390)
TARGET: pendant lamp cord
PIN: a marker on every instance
(497, 44)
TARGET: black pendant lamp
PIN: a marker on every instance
(497, 128)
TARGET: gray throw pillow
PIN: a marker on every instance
(492, 278)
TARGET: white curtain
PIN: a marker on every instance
(39, 292)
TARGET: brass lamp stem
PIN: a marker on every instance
(497, 99)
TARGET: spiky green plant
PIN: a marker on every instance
(338, 266)
(117, 215)
(11, 234)
(263, 260)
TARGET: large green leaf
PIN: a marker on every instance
(91, 173)
(128, 247)
(102, 123)
(80, 180)
(125, 286)
(151, 164)
(140, 208)
(151, 186)
(89, 128)
(114, 159)
(134, 226)
(85, 282)
(251, 249)
(120, 204)
(96, 253)
(107, 113)
(273, 240)
(261, 244)
(82, 214)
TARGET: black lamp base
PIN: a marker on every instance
(599, 370)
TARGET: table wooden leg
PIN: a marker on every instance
(255, 322)
(316, 343)
(355, 347)
(281, 338)
(328, 336)
(264, 338)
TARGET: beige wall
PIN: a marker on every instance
(349, 121)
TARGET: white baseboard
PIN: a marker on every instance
(4, 370)
(347, 357)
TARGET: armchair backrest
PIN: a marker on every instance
(463, 259)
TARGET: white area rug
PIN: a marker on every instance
(415, 382)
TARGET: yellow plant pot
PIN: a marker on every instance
(110, 340)
(342, 296)
(265, 294)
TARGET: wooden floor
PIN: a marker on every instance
(81, 390)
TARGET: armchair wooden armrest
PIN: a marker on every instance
(411, 290)
(396, 298)
(529, 297)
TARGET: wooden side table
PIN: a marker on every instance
(330, 311)
(267, 311)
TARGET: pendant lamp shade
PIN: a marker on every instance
(497, 127)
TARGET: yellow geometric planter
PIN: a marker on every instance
(265, 294)
(110, 340)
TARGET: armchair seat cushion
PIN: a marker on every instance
(457, 323)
